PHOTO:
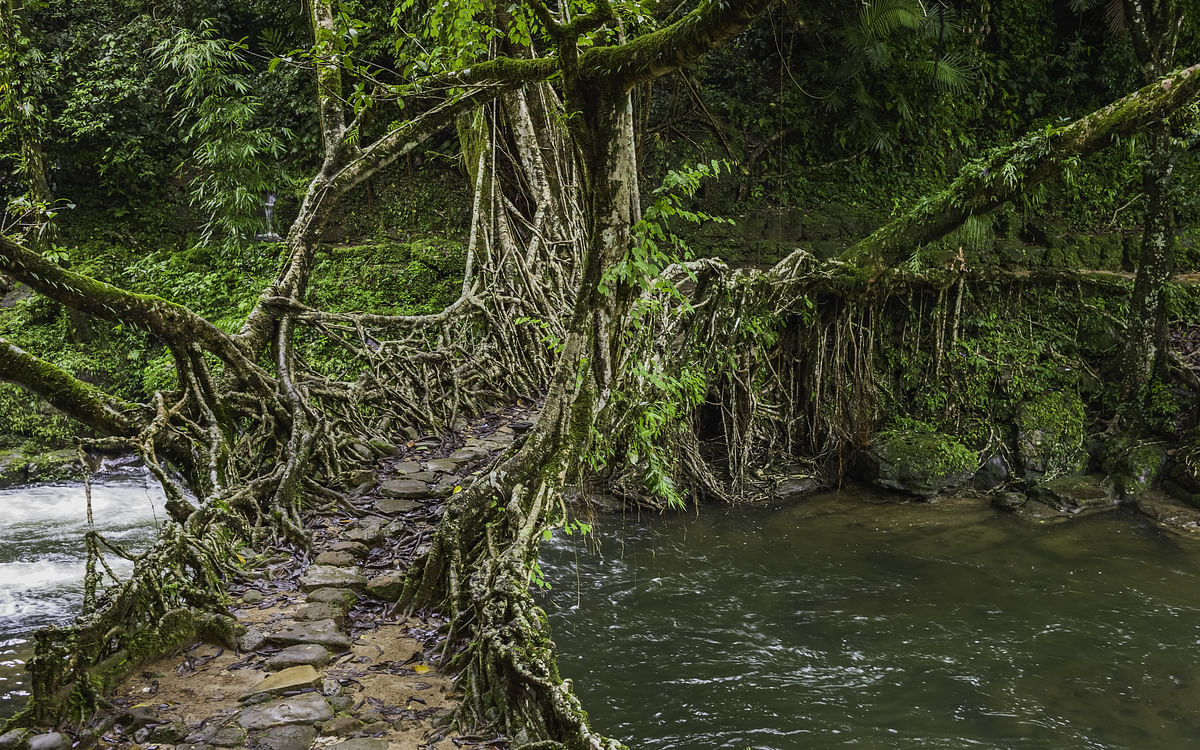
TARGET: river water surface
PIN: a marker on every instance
(839, 622)
(42, 558)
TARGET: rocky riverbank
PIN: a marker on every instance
(323, 658)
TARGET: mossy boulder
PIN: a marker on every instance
(1049, 435)
(1134, 465)
(1075, 494)
(919, 463)
(18, 468)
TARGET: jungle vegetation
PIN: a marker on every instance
(914, 152)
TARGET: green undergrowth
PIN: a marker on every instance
(415, 275)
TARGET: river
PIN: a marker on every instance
(840, 622)
(42, 557)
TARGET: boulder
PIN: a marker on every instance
(919, 463)
(1049, 435)
(294, 737)
(1076, 494)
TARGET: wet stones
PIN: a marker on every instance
(307, 708)
(284, 681)
(327, 576)
(469, 453)
(321, 632)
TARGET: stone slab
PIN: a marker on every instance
(326, 576)
(312, 654)
(444, 465)
(295, 737)
(321, 632)
(286, 680)
(306, 708)
(358, 549)
(392, 505)
(404, 488)
(387, 586)
(336, 558)
(333, 595)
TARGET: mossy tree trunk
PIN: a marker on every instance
(1154, 27)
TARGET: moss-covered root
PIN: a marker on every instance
(509, 671)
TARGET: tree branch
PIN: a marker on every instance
(1007, 172)
(105, 414)
(668, 49)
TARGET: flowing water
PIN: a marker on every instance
(42, 558)
(840, 622)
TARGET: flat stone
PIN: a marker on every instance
(306, 708)
(13, 740)
(166, 734)
(325, 576)
(296, 737)
(252, 640)
(404, 488)
(230, 735)
(361, 743)
(253, 596)
(333, 595)
(321, 632)
(357, 549)
(49, 741)
(1076, 494)
(311, 654)
(336, 558)
(392, 505)
(469, 453)
(387, 586)
(341, 726)
(321, 611)
(367, 533)
(286, 680)
(407, 467)
(445, 465)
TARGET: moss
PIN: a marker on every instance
(1050, 432)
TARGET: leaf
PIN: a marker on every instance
(457, 489)
(420, 668)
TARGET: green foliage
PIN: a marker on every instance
(236, 154)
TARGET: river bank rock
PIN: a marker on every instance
(320, 632)
(18, 468)
(1076, 494)
(1134, 465)
(1049, 435)
(918, 463)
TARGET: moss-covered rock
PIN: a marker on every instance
(1075, 494)
(1049, 435)
(919, 463)
(1183, 471)
(1134, 465)
(18, 467)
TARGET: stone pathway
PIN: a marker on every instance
(323, 661)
